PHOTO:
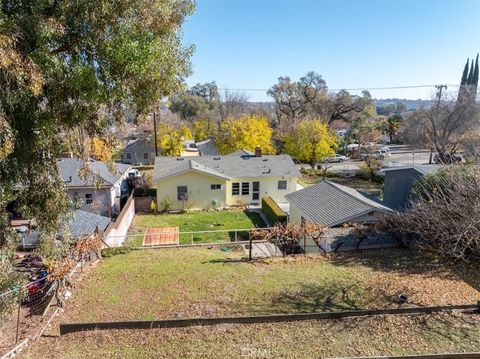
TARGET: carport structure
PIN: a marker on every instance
(161, 236)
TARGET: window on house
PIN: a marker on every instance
(215, 186)
(88, 198)
(129, 156)
(145, 155)
(282, 184)
(235, 189)
(182, 193)
(245, 188)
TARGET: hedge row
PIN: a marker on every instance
(273, 211)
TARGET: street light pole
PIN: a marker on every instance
(155, 133)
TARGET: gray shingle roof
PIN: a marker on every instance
(422, 169)
(332, 204)
(69, 169)
(85, 223)
(241, 152)
(207, 147)
(227, 166)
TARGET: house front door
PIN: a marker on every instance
(255, 191)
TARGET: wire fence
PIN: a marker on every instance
(26, 309)
(332, 241)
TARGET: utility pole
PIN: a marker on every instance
(440, 88)
(155, 132)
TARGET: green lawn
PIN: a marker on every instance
(191, 282)
(197, 221)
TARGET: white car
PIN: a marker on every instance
(336, 159)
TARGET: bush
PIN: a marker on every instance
(273, 211)
(113, 251)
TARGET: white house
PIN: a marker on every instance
(94, 185)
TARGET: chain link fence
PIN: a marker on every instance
(28, 308)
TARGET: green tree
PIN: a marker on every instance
(247, 132)
(392, 126)
(61, 63)
(200, 101)
(310, 141)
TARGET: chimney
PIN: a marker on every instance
(258, 152)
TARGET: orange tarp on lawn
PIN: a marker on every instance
(160, 236)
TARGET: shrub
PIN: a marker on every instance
(166, 204)
(273, 211)
(153, 206)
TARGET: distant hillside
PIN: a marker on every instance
(409, 104)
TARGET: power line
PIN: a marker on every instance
(349, 89)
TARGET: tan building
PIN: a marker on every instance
(222, 181)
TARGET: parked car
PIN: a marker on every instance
(335, 159)
(375, 154)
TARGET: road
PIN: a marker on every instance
(403, 158)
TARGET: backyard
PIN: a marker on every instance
(197, 221)
(192, 282)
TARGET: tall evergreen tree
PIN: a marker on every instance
(475, 74)
(470, 74)
(465, 74)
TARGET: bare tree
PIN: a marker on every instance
(288, 236)
(444, 217)
(233, 104)
(294, 99)
(444, 126)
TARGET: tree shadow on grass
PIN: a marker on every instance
(226, 261)
(399, 261)
(311, 298)
(450, 326)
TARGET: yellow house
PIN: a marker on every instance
(222, 181)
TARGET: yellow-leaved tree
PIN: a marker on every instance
(203, 129)
(101, 149)
(310, 141)
(246, 132)
(171, 139)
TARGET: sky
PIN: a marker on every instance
(248, 44)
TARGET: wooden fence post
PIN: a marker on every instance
(18, 315)
(250, 247)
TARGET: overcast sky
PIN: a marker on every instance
(248, 44)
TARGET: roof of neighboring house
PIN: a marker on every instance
(227, 167)
(207, 147)
(332, 204)
(69, 169)
(85, 223)
(241, 153)
(422, 169)
(140, 141)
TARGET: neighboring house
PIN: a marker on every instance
(139, 152)
(100, 189)
(332, 205)
(207, 147)
(142, 151)
(399, 181)
(222, 181)
(83, 224)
